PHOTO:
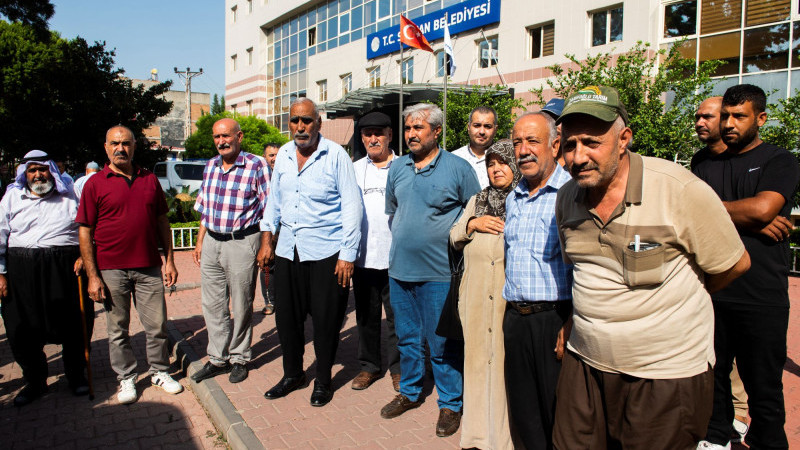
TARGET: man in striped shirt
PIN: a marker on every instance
(231, 201)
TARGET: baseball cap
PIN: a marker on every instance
(374, 120)
(601, 102)
(554, 107)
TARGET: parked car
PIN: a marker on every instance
(177, 174)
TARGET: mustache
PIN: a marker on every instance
(413, 140)
(40, 180)
(576, 169)
(223, 146)
(122, 153)
(302, 136)
(527, 159)
(374, 144)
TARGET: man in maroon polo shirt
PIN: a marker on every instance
(123, 218)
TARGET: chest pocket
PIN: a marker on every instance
(644, 267)
(437, 197)
(545, 239)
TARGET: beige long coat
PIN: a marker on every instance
(481, 308)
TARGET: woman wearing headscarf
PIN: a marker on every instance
(481, 307)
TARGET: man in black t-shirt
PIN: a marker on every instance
(756, 182)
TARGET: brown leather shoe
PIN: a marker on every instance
(396, 382)
(448, 422)
(398, 406)
(363, 380)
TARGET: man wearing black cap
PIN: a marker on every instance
(637, 370)
(371, 274)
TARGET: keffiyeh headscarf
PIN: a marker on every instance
(491, 200)
(38, 157)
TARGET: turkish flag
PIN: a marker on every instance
(412, 36)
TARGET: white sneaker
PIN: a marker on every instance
(740, 428)
(705, 445)
(165, 382)
(127, 391)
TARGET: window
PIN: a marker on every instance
(322, 90)
(374, 77)
(160, 170)
(234, 9)
(233, 63)
(249, 6)
(487, 52)
(440, 63)
(606, 26)
(542, 40)
(249, 104)
(312, 37)
(234, 109)
(680, 19)
(250, 56)
(347, 83)
(407, 71)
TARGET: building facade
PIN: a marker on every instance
(327, 50)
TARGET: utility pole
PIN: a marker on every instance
(187, 76)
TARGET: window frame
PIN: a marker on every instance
(322, 90)
(373, 80)
(488, 40)
(531, 31)
(347, 83)
(607, 10)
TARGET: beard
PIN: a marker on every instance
(41, 187)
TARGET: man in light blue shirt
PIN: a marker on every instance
(316, 203)
(538, 286)
(426, 191)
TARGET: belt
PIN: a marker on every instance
(238, 234)
(526, 308)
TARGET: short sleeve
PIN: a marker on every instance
(705, 228)
(161, 200)
(559, 221)
(391, 199)
(780, 174)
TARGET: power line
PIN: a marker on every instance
(187, 76)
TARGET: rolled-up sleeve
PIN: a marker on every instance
(351, 209)
(272, 210)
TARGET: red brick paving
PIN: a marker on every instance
(159, 420)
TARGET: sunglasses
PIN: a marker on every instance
(306, 119)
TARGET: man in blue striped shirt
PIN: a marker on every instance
(538, 285)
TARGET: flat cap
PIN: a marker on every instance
(375, 120)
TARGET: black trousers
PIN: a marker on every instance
(532, 373)
(44, 307)
(371, 292)
(756, 337)
(304, 288)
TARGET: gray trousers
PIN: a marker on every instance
(148, 289)
(229, 272)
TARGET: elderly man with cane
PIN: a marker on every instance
(39, 258)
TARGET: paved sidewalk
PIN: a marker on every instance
(160, 420)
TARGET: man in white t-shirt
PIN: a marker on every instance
(482, 128)
(371, 274)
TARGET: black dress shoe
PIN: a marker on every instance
(238, 373)
(210, 371)
(286, 386)
(79, 386)
(322, 394)
(29, 393)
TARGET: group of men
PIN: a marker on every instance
(627, 284)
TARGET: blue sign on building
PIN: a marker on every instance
(461, 17)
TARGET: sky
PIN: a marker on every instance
(149, 34)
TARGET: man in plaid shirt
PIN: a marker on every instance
(231, 202)
(538, 286)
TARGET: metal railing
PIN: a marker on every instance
(794, 264)
(184, 238)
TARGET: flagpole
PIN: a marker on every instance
(446, 70)
(400, 114)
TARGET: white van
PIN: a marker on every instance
(177, 174)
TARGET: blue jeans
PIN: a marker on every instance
(417, 307)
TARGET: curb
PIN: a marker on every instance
(208, 392)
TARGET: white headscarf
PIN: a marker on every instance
(42, 158)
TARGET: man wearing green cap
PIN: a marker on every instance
(648, 241)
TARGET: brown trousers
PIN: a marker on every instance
(600, 410)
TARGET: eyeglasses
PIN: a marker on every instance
(378, 190)
(306, 119)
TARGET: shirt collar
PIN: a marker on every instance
(430, 166)
(239, 160)
(389, 164)
(479, 158)
(322, 148)
(137, 171)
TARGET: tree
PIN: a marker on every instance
(62, 95)
(663, 129)
(463, 99)
(257, 133)
(783, 127)
(34, 13)
(217, 106)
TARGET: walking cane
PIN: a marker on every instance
(85, 340)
